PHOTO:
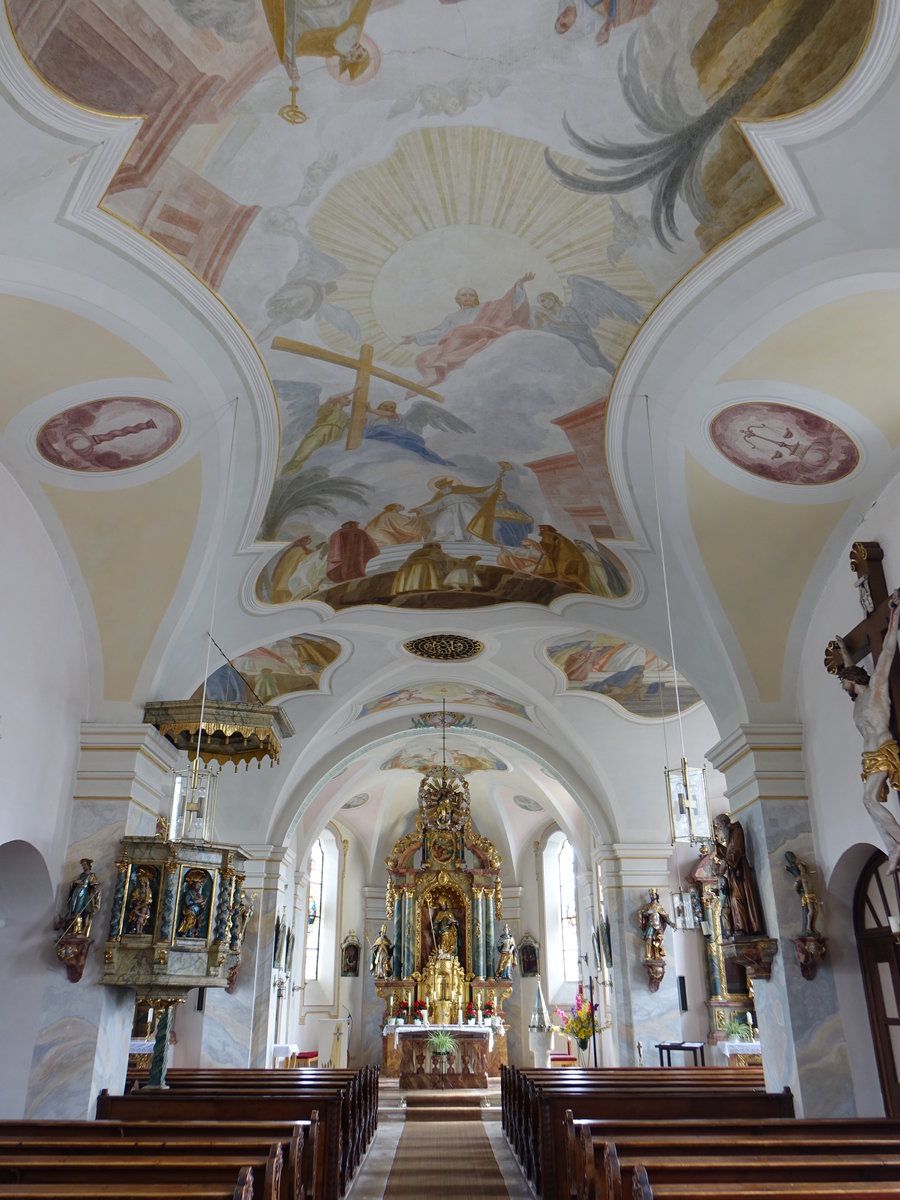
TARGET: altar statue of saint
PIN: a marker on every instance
(509, 955)
(446, 931)
(733, 866)
(872, 717)
(82, 903)
(803, 886)
(382, 955)
(140, 902)
(654, 921)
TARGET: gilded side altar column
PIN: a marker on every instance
(408, 933)
(489, 965)
(478, 932)
(397, 963)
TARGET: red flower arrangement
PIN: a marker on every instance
(471, 1012)
(419, 1008)
(488, 1009)
(402, 1009)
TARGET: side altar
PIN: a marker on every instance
(443, 898)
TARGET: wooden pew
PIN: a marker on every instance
(549, 1162)
(601, 1154)
(172, 1106)
(299, 1142)
(749, 1189)
(75, 1188)
(518, 1101)
(35, 1165)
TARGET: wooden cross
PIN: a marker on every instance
(364, 373)
(867, 637)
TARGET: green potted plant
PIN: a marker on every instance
(738, 1031)
(442, 1044)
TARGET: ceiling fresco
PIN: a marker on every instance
(783, 443)
(465, 756)
(452, 693)
(443, 225)
(293, 664)
(629, 675)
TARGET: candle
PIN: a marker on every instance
(410, 999)
(391, 1009)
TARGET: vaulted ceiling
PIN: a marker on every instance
(329, 324)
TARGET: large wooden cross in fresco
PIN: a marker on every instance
(867, 637)
(365, 370)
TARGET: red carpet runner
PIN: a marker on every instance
(445, 1160)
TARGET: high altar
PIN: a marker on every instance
(443, 897)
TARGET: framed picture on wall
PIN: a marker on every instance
(529, 957)
(350, 955)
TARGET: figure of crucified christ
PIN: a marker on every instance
(872, 716)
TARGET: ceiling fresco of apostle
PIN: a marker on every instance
(440, 249)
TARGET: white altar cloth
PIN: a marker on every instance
(478, 1030)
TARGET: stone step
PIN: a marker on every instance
(447, 1098)
(442, 1112)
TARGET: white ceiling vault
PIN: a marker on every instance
(425, 362)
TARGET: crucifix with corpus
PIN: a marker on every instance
(365, 371)
(875, 699)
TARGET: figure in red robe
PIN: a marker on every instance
(471, 328)
(349, 549)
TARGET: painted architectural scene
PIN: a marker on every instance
(425, 754)
(628, 674)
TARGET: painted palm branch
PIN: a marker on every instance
(671, 161)
(312, 490)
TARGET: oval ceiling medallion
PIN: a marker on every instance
(357, 801)
(527, 804)
(783, 444)
(444, 647)
(108, 435)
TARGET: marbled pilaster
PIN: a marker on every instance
(268, 872)
(799, 1019)
(123, 782)
(638, 1015)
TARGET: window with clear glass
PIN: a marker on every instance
(314, 910)
(568, 918)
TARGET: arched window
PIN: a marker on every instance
(561, 966)
(323, 918)
(568, 918)
(314, 910)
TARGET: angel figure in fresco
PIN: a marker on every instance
(309, 283)
(385, 424)
(612, 14)
(591, 301)
(472, 327)
(319, 29)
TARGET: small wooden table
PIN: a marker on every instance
(688, 1048)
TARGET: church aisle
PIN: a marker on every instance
(455, 1157)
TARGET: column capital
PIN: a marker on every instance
(634, 864)
(761, 762)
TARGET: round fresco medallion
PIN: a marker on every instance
(527, 804)
(108, 435)
(783, 444)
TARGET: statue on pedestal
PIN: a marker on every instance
(733, 866)
(382, 955)
(803, 886)
(654, 921)
(508, 954)
(82, 903)
(446, 931)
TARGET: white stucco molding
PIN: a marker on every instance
(630, 865)
(761, 762)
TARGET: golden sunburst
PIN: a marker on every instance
(462, 206)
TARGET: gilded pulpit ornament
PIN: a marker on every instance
(444, 647)
(227, 732)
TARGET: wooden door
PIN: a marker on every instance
(877, 900)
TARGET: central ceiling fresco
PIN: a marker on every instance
(442, 224)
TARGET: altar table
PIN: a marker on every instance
(481, 1051)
